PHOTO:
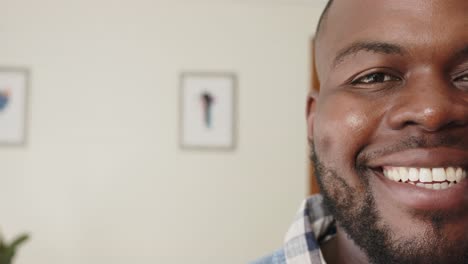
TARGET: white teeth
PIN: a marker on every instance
(444, 185)
(450, 172)
(396, 176)
(438, 174)
(404, 174)
(425, 175)
(430, 178)
(413, 174)
(459, 175)
(385, 172)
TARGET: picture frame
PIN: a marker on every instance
(208, 111)
(14, 84)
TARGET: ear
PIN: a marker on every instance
(310, 114)
(313, 94)
(314, 80)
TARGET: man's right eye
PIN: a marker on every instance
(373, 78)
(463, 78)
(462, 82)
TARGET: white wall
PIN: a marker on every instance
(102, 179)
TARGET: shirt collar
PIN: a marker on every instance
(312, 226)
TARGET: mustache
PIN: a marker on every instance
(413, 142)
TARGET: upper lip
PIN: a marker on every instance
(422, 158)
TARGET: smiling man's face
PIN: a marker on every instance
(389, 128)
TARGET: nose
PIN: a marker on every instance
(430, 103)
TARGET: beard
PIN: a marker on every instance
(356, 213)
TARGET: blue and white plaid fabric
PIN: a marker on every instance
(312, 226)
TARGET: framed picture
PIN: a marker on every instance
(13, 93)
(207, 111)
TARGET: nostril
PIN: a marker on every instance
(458, 123)
(410, 123)
(436, 121)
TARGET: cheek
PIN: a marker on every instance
(342, 127)
(356, 121)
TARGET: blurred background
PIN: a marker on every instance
(102, 179)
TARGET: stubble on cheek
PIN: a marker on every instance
(339, 137)
(340, 132)
(353, 209)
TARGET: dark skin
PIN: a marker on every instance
(393, 91)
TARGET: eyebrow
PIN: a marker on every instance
(369, 46)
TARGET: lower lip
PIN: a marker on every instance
(452, 198)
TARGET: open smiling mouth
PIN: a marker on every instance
(429, 178)
(407, 178)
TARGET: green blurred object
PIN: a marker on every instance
(7, 252)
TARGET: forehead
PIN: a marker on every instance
(429, 24)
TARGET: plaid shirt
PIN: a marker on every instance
(312, 226)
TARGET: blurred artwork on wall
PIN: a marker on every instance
(207, 111)
(13, 93)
